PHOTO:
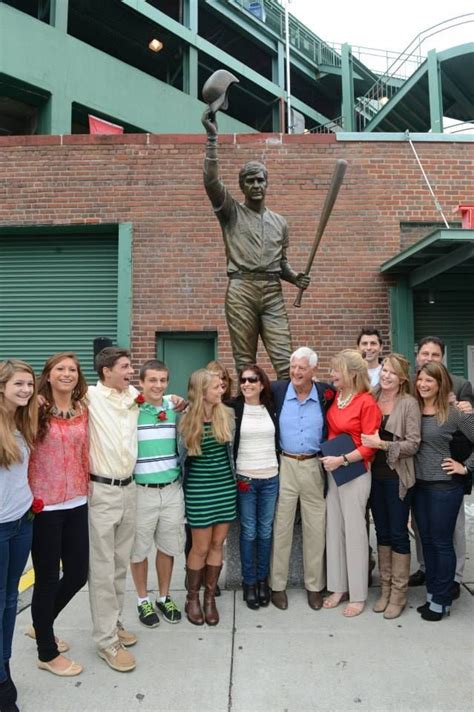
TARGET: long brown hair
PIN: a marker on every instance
(436, 370)
(25, 419)
(45, 390)
(192, 423)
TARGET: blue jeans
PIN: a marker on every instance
(15, 545)
(436, 511)
(257, 510)
(390, 514)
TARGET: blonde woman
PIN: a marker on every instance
(210, 495)
(18, 423)
(354, 411)
(393, 478)
(226, 379)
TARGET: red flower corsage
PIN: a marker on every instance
(162, 416)
(37, 506)
(328, 394)
(243, 485)
(140, 399)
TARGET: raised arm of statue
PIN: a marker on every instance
(215, 189)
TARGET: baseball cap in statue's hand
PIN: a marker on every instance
(215, 90)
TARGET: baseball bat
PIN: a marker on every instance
(336, 182)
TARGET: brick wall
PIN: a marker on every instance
(155, 182)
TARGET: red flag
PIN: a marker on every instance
(99, 126)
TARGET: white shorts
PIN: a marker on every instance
(160, 519)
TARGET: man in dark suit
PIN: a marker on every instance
(432, 348)
(301, 406)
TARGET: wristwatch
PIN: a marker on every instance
(345, 461)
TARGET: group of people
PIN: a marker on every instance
(92, 477)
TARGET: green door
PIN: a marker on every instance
(183, 353)
(57, 293)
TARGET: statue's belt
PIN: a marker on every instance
(255, 276)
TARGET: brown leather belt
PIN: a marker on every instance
(112, 480)
(302, 456)
(255, 276)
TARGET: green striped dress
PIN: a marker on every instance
(210, 490)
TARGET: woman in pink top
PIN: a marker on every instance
(59, 475)
(354, 412)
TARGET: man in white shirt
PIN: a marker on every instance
(369, 343)
(113, 416)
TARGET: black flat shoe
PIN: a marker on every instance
(250, 596)
(263, 592)
(430, 615)
(423, 608)
(455, 591)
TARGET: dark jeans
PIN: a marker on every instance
(436, 511)
(15, 545)
(390, 514)
(257, 510)
(60, 535)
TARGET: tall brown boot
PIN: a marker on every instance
(385, 569)
(210, 610)
(193, 606)
(398, 593)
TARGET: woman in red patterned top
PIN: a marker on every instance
(354, 412)
(59, 475)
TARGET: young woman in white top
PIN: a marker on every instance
(18, 422)
(255, 446)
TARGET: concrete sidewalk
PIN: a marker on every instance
(265, 661)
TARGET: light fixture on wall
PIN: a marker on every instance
(155, 45)
(431, 297)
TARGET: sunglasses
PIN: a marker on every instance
(249, 379)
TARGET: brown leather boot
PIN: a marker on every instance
(398, 593)
(210, 610)
(193, 606)
(385, 569)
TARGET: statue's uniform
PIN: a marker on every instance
(255, 246)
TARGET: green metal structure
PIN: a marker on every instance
(61, 60)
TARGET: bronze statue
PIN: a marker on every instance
(256, 241)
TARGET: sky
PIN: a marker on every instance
(382, 25)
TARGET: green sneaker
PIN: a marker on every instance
(169, 610)
(147, 615)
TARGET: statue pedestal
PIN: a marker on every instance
(232, 573)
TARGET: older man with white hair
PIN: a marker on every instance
(301, 404)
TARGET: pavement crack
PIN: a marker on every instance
(232, 650)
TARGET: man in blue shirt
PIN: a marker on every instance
(301, 406)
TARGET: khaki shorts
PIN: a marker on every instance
(160, 519)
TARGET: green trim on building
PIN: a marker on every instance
(125, 276)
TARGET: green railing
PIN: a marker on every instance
(301, 38)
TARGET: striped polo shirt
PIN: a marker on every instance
(157, 461)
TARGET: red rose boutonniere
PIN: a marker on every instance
(37, 506)
(161, 416)
(328, 396)
(138, 401)
(243, 485)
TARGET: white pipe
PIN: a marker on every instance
(288, 81)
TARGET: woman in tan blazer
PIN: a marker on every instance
(393, 477)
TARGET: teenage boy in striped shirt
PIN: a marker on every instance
(160, 502)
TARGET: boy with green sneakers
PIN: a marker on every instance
(160, 502)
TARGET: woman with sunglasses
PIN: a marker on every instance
(255, 447)
(59, 475)
(18, 421)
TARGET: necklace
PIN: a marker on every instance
(65, 414)
(343, 402)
